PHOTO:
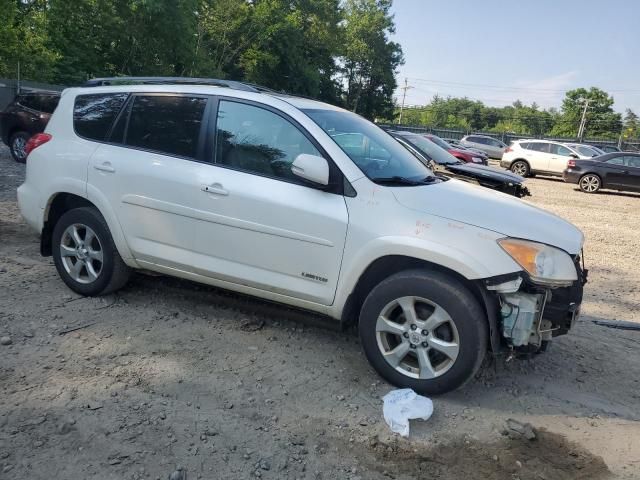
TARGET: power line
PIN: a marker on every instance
(505, 87)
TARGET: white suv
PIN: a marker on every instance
(528, 157)
(302, 203)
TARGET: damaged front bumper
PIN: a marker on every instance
(527, 315)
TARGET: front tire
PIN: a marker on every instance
(423, 330)
(520, 167)
(17, 144)
(85, 255)
(590, 183)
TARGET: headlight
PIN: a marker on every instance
(545, 265)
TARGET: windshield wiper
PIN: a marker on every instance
(398, 180)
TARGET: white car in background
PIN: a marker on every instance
(530, 157)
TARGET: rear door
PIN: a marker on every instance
(537, 154)
(149, 170)
(614, 172)
(260, 226)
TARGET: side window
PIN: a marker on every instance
(93, 114)
(616, 161)
(259, 141)
(524, 145)
(29, 101)
(632, 161)
(539, 147)
(497, 143)
(478, 140)
(561, 150)
(48, 103)
(166, 123)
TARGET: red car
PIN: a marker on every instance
(461, 154)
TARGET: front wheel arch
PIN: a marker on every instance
(383, 267)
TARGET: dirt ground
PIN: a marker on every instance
(170, 379)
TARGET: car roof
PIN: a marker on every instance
(204, 89)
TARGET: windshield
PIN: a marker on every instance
(440, 142)
(431, 150)
(372, 149)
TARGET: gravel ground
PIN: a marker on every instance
(169, 379)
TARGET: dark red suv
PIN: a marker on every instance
(27, 115)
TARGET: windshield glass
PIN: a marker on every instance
(440, 142)
(372, 149)
(431, 150)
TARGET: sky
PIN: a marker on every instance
(533, 50)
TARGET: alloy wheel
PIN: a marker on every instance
(19, 147)
(417, 337)
(81, 253)
(590, 183)
(519, 169)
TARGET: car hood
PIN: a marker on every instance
(483, 171)
(484, 208)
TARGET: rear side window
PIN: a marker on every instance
(94, 114)
(166, 123)
(616, 161)
(524, 145)
(539, 147)
(29, 101)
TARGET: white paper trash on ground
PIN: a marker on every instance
(402, 405)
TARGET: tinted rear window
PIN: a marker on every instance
(166, 123)
(94, 114)
(29, 101)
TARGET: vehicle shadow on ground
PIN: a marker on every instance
(567, 377)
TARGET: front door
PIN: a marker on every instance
(559, 157)
(261, 226)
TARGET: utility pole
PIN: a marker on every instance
(583, 121)
(404, 96)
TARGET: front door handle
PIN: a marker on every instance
(215, 188)
(105, 167)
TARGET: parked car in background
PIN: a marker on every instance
(616, 171)
(586, 150)
(608, 148)
(456, 144)
(27, 115)
(530, 157)
(494, 148)
(303, 203)
(444, 163)
(465, 155)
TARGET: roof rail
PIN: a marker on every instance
(247, 87)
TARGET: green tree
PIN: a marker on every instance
(601, 119)
(631, 125)
(24, 41)
(369, 59)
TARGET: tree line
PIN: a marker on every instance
(333, 50)
(601, 120)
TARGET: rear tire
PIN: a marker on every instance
(520, 167)
(423, 330)
(85, 255)
(590, 183)
(17, 144)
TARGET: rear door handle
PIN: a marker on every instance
(215, 188)
(105, 167)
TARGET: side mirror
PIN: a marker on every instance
(312, 168)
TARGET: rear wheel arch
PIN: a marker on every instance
(383, 267)
(58, 205)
